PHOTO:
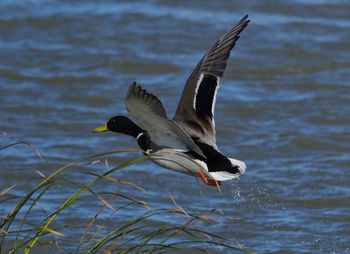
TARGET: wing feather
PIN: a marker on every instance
(149, 111)
(196, 122)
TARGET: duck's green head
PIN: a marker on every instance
(121, 124)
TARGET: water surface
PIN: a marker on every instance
(283, 108)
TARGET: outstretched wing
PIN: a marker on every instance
(195, 112)
(149, 111)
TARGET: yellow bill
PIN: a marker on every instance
(101, 128)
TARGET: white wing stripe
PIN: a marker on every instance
(214, 99)
(196, 89)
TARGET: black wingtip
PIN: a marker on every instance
(243, 23)
(131, 90)
(132, 86)
(244, 20)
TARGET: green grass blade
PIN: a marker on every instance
(70, 200)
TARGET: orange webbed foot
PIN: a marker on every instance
(210, 182)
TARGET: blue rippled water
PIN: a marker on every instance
(283, 108)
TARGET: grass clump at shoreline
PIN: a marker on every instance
(178, 230)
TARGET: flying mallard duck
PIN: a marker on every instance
(187, 143)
